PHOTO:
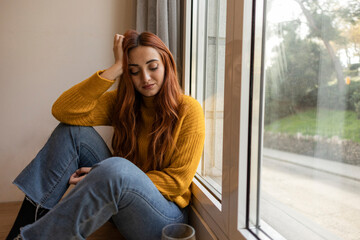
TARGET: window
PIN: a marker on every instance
(217, 31)
(208, 56)
(282, 107)
(306, 181)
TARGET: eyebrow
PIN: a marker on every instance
(136, 65)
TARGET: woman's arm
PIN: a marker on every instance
(115, 70)
(88, 103)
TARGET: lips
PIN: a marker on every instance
(148, 86)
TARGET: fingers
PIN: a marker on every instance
(79, 174)
(75, 180)
(118, 49)
(118, 39)
(83, 170)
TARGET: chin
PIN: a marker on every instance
(149, 94)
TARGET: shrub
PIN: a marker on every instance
(331, 98)
(354, 66)
(276, 109)
(355, 100)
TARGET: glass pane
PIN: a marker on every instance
(208, 84)
(310, 168)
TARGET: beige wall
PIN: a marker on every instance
(45, 48)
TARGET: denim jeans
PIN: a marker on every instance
(115, 188)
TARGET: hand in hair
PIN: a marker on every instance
(118, 49)
(116, 69)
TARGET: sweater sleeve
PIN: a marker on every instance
(174, 181)
(87, 103)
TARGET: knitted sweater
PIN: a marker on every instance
(90, 104)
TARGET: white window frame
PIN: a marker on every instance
(228, 219)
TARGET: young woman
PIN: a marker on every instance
(157, 144)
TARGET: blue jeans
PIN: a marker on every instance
(115, 188)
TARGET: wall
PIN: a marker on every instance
(45, 48)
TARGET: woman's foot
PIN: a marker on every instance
(29, 213)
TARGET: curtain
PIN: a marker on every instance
(162, 17)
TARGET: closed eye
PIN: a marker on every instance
(154, 68)
(134, 72)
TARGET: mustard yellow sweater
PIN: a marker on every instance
(90, 104)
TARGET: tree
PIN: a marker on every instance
(321, 26)
(295, 71)
(352, 34)
(351, 13)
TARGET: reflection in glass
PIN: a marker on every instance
(310, 169)
(209, 88)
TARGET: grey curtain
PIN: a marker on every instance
(162, 17)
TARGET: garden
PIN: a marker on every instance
(312, 82)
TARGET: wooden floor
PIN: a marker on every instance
(8, 213)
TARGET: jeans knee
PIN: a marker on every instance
(117, 169)
(122, 180)
(65, 128)
(119, 173)
(73, 131)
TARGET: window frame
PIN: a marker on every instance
(228, 219)
(236, 216)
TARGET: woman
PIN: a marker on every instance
(157, 144)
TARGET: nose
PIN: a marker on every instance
(145, 76)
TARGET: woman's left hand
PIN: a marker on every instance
(79, 175)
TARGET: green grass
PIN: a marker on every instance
(322, 122)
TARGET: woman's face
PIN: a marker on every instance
(146, 70)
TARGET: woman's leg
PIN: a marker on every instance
(45, 179)
(28, 214)
(114, 187)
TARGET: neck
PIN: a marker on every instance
(148, 101)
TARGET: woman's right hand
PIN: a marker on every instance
(118, 49)
(115, 70)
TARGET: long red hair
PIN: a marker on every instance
(127, 116)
